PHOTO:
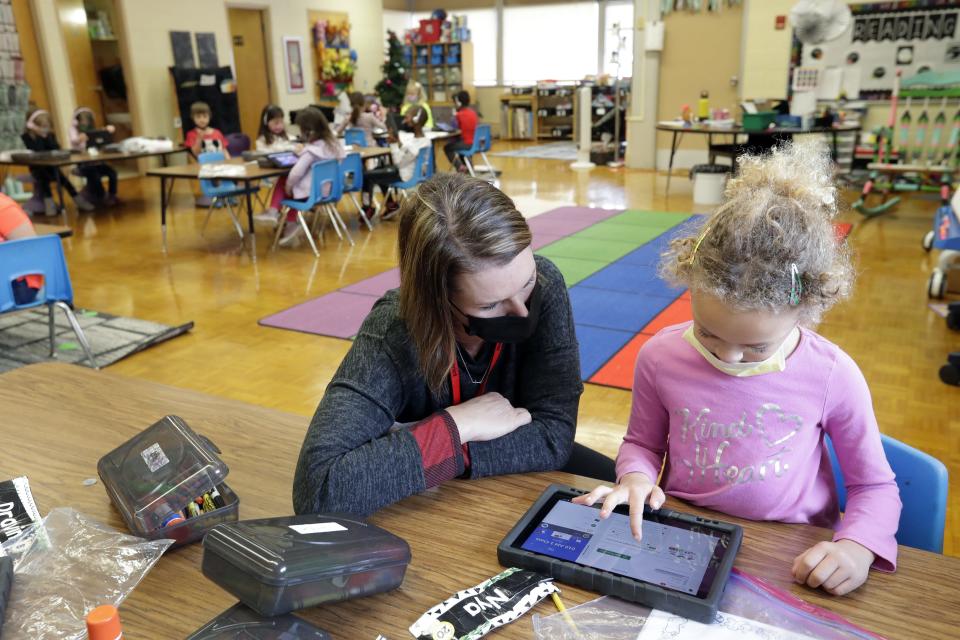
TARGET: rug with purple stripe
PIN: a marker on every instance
(340, 313)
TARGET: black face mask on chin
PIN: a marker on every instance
(510, 329)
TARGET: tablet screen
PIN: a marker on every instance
(674, 554)
(284, 158)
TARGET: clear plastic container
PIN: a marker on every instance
(240, 623)
(156, 473)
(277, 565)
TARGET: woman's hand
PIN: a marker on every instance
(836, 567)
(110, 128)
(487, 417)
(634, 489)
(298, 148)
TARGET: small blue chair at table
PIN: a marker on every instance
(922, 480)
(42, 255)
(355, 136)
(221, 192)
(351, 173)
(324, 177)
(481, 144)
(422, 170)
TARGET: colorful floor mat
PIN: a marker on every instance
(609, 260)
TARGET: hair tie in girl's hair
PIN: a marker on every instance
(78, 111)
(266, 112)
(796, 285)
(696, 245)
(32, 120)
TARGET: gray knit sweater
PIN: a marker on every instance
(353, 461)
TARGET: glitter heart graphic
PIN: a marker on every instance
(792, 422)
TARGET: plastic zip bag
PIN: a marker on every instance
(70, 565)
(746, 598)
(18, 510)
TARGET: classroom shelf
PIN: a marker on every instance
(443, 68)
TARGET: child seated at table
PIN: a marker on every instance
(415, 95)
(39, 136)
(404, 148)
(360, 118)
(273, 137)
(321, 144)
(15, 225)
(739, 400)
(467, 123)
(203, 138)
(84, 122)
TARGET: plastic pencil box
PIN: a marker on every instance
(152, 478)
(278, 565)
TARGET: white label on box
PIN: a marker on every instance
(154, 457)
(319, 527)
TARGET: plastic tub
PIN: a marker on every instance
(278, 565)
(758, 121)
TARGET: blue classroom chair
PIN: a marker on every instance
(351, 174)
(41, 255)
(422, 170)
(481, 144)
(922, 480)
(325, 176)
(356, 137)
(221, 192)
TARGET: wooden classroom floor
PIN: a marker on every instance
(118, 267)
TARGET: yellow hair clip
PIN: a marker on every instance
(696, 246)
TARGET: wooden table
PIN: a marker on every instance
(679, 128)
(59, 419)
(87, 158)
(52, 229)
(253, 173)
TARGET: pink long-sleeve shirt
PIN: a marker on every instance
(753, 447)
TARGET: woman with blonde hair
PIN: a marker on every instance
(469, 369)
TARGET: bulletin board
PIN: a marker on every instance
(886, 37)
(330, 52)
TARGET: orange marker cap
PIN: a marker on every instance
(103, 623)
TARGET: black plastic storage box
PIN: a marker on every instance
(238, 622)
(151, 478)
(277, 565)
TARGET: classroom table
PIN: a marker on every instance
(253, 174)
(436, 136)
(87, 158)
(59, 419)
(677, 129)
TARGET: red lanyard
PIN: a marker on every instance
(455, 375)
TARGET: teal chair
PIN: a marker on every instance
(41, 255)
(922, 480)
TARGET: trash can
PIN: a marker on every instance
(709, 181)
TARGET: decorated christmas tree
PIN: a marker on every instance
(394, 82)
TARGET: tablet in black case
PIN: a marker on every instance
(681, 566)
